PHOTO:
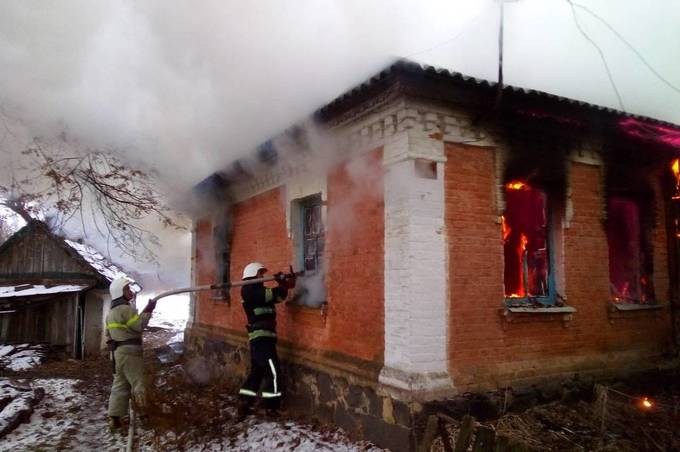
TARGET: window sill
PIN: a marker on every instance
(627, 307)
(542, 310)
(306, 311)
(528, 314)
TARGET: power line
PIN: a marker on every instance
(630, 46)
(450, 40)
(599, 50)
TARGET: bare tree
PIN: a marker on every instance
(64, 181)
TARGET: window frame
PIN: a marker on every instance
(551, 299)
(646, 246)
(297, 228)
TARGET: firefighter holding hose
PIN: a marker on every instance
(124, 328)
(259, 305)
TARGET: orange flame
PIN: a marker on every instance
(675, 167)
(506, 229)
(521, 250)
(516, 185)
(646, 403)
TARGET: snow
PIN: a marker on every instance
(22, 357)
(171, 312)
(6, 349)
(10, 291)
(100, 263)
(68, 419)
(19, 403)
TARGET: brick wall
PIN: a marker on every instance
(353, 325)
(486, 350)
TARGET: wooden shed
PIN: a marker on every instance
(53, 290)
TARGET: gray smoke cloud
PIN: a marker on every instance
(186, 87)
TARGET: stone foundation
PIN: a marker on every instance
(348, 401)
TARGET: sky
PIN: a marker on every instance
(186, 87)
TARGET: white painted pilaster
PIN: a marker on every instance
(416, 306)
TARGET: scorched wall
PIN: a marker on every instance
(488, 349)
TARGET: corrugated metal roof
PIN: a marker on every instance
(404, 66)
(30, 290)
(100, 263)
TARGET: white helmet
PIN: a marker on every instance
(117, 286)
(250, 271)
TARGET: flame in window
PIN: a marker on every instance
(516, 185)
(506, 229)
(675, 167)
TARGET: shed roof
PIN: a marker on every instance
(29, 290)
(87, 255)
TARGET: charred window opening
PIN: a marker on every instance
(630, 223)
(534, 193)
(675, 200)
(629, 274)
(525, 242)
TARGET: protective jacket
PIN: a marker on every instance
(124, 327)
(124, 323)
(258, 304)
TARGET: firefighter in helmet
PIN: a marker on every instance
(124, 336)
(259, 305)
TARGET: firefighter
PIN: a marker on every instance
(124, 336)
(259, 305)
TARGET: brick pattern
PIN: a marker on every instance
(415, 259)
(485, 349)
(354, 251)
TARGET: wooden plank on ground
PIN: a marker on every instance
(431, 430)
(467, 425)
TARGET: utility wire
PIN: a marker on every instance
(629, 45)
(450, 40)
(599, 50)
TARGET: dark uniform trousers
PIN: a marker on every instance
(264, 372)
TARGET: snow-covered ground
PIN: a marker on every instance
(22, 356)
(71, 418)
(171, 313)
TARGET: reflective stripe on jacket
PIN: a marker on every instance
(124, 323)
(259, 305)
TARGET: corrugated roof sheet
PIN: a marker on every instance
(100, 263)
(29, 290)
(408, 66)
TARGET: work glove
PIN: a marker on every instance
(291, 279)
(280, 278)
(151, 305)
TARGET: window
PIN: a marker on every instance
(629, 269)
(527, 275)
(309, 241)
(310, 233)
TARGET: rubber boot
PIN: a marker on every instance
(115, 424)
(243, 409)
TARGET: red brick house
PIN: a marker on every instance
(466, 238)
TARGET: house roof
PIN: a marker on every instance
(409, 77)
(86, 254)
(30, 290)
(408, 68)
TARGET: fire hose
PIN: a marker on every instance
(230, 284)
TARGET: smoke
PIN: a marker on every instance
(185, 88)
(310, 290)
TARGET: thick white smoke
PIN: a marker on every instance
(186, 87)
